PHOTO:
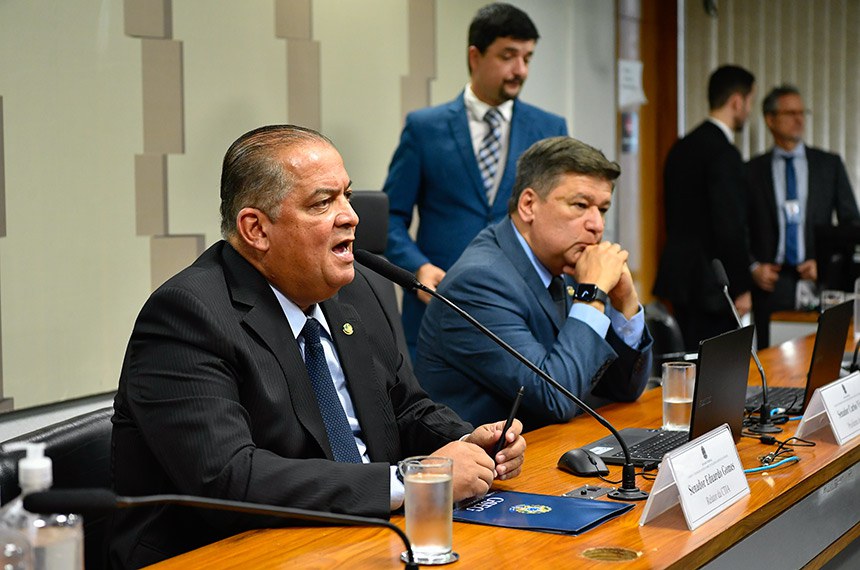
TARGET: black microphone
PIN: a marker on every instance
(628, 490)
(97, 501)
(765, 424)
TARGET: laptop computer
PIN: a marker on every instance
(824, 368)
(718, 398)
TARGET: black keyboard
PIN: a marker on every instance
(656, 446)
(791, 399)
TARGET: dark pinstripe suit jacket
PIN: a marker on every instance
(214, 400)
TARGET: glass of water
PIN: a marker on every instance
(429, 505)
(679, 380)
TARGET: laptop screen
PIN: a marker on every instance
(721, 382)
(829, 347)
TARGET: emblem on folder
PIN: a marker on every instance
(347, 329)
(530, 509)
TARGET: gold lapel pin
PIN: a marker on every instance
(347, 329)
(570, 291)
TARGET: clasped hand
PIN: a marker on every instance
(605, 265)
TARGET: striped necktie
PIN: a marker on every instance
(489, 153)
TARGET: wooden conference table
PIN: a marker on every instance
(823, 472)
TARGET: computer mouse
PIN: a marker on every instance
(582, 463)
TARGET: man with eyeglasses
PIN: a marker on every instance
(792, 189)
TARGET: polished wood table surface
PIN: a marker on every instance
(663, 543)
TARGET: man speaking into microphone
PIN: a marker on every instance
(267, 371)
(543, 281)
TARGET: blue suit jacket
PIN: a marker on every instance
(496, 283)
(434, 168)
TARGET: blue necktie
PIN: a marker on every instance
(334, 417)
(791, 237)
(489, 153)
(556, 291)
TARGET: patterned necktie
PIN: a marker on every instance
(334, 417)
(556, 291)
(488, 154)
(791, 226)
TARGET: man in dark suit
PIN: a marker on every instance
(518, 276)
(267, 371)
(705, 214)
(456, 162)
(792, 189)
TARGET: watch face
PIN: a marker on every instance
(586, 292)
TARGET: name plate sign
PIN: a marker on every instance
(837, 405)
(705, 475)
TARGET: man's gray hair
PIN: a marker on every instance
(542, 165)
(253, 173)
(769, 106)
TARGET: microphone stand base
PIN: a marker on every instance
(622, 494)
(764, 428)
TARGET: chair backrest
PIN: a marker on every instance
(668, 340)
(79, 449)
(372, 209)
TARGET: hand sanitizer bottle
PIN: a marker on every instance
(57, 540)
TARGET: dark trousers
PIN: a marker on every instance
(782, 298)
(698, 325)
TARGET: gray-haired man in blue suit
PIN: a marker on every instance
(543, 280)
(456, 162)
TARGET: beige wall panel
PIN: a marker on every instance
(363, 55)
(162, 96)
(234, 80)
(147, 18)
(172, 254)
(303, 80)
(293, 19)
(150, 182)
(414, 92)
(422, 38)
(2, 183)
(73, 273)
(835, 68)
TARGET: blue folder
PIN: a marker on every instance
(544, 513)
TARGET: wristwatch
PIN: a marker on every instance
(588, 292)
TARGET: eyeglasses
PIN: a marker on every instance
(797, 113)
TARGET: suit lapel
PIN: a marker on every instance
(266, 318)
(511, 247)
(458, 123)
(518, 141)
(813, 175)
(770, 194)
(351, 341)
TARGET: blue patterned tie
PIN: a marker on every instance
(791, 241)
(488, 154)
(334, 417)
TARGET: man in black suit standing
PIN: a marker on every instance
(268, 371)
(792, 189)
(705, 214)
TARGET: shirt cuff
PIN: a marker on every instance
(591, 316)
(397, 491)
(629, 331)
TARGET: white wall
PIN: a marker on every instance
(74, 272)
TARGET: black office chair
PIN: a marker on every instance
(668, 340)
(80, 451)
(372, 235)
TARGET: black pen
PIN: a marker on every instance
(501, 443)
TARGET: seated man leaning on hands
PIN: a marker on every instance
(268, 372)
(544, 282)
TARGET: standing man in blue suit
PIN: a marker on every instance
(542, 280)
(456, 162)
